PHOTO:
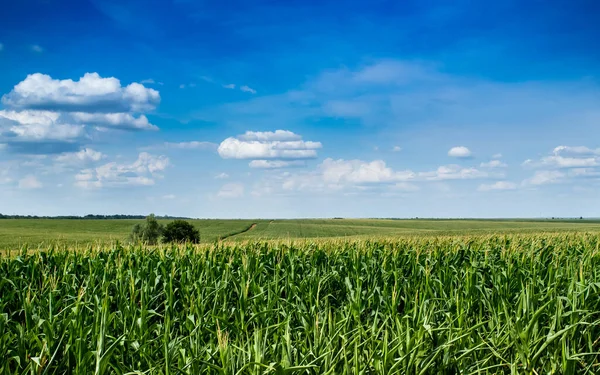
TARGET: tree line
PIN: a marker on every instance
(88, 217)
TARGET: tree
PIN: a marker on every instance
(149, 232)
(181, 231)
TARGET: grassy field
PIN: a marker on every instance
(493, 304)
(41, 232)
(14, 233)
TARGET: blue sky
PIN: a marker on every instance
(300, 108)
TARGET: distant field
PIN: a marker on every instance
(278, 229)
(41, 232)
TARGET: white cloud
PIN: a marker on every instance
(113, 120)
(357, 171)
(46, 115)
(222, 176)
(191, 145)
(499, 185)
(247, 89)
(459, 152)
(358, 175)
(37, 125)
(277, 135)
(584, 172)
(275, 164)
(84, 156)
(495, 163)
(233, 148)
(568, 162)
(151, 81)
(455, 172)
(30, 182)
(281, 144)
(91, 93)
(139, 173)
(567, 157)
(231, 191)
(397, 149)
(496, 156)
(37, 48)
(576, 150)
(169, 196)
(545, 177)
(230, 86)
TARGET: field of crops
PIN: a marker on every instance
(513, 304)
(14, 233)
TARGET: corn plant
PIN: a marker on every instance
(499, 304)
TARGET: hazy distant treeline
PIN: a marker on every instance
(90, 217)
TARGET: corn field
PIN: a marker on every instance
(514, 304)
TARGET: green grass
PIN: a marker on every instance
(14, 233)
(42, 232)
(492, 304)
(375, 228)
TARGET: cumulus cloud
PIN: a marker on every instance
(275, 164)
(397, 149)
(233, 148)
(222, 176)
(460, 152)
(30, 182)
(568, 162)
(281, 144)
(191, 145)
(576, 150)
(125, 121)
(357, 171)
(46, 115)
(230, 86)
(565, 164)
(139, 173)
(499, 185)
(455, 172)
(91, 93)
(545, 177)
(86, 155)
(277, 135)
(495, 163)
(36, 126)
(247, 89)
(150, 81)
(566, 157)
(231, 191)
(376, 176)
(341, 175)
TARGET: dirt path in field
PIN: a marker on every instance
(238, 233)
